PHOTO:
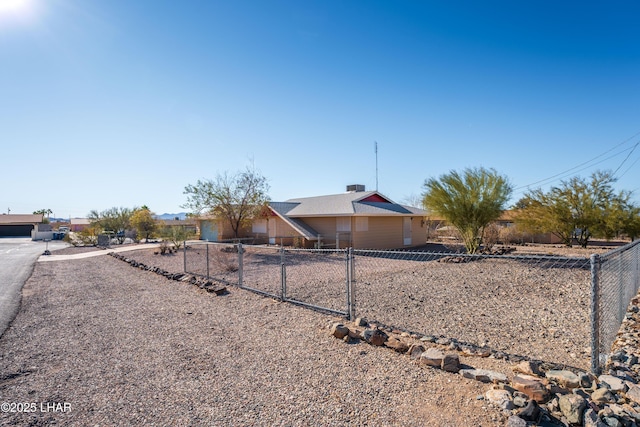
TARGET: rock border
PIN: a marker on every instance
(200, 282)
(538, 393)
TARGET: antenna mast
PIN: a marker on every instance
(375, 148)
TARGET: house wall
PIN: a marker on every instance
(217, 230)
(383, 233)
(418, 231)
(283, 232)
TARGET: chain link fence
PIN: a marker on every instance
(534, 306)
(615, 278)
(543, 307)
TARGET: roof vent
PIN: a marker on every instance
(355, 188)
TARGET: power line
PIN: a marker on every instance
(579, 167)
(629, 168)
(626, 158)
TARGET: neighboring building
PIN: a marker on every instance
(19, 225)
(358, 218)
(78, 224)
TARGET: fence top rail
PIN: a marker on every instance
(616, 251)
(318, 250)
(473, 256)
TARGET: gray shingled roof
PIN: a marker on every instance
(345, 204)
(282, 208)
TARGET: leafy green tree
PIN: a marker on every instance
(631, 224)
(144, 223)
(236, 198)
(176, 235)
(112, 221)
(578, 208)
(469, 201)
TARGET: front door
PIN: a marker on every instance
(406, 231)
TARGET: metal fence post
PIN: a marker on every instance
(207, 255)
(184, 257)
(240, 263)
(351, 285)
(595, 314)
(347, 276)
(283, 276)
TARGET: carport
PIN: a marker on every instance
(18, 225)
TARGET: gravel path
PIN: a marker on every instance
(121, 346)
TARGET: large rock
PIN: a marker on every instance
(432, 357)
(375, 336)
(397, 344)
(484, 375)
(602, 395)
(502, 398)
(451, 363)
(572, 406)
(591, 419)
(339, 330)
(615, 384)
(531, 412)
(634, 393)
(566, 379)
(415, 351)
(535, 388)
(528, 367)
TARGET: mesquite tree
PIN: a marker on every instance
(469, 201)
(237, 198)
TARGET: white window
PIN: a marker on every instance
(343, 224)
(362, 223)
(259, 226)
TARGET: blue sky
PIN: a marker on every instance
(122, 103)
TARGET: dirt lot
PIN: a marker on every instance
(123, 346)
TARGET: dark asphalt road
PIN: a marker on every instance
(17, 258)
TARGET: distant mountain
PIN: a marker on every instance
(180, 216)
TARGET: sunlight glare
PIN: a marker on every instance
(13, 6)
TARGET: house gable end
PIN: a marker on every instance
(375, 198)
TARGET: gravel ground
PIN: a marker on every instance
(534, 309)
(121, 346)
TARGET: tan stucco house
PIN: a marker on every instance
(357, 218)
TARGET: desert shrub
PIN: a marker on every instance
(491, 236)
(88, 236)
(176, 235)
(513, 235)
(165, 248)
(225, 259)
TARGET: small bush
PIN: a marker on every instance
(225, 259)
(165, 248)
(491, 236)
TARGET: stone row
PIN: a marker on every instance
(200, 282)
(537, 394)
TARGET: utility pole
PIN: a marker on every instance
(375, 148)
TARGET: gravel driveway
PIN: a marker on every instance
(100, 343)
